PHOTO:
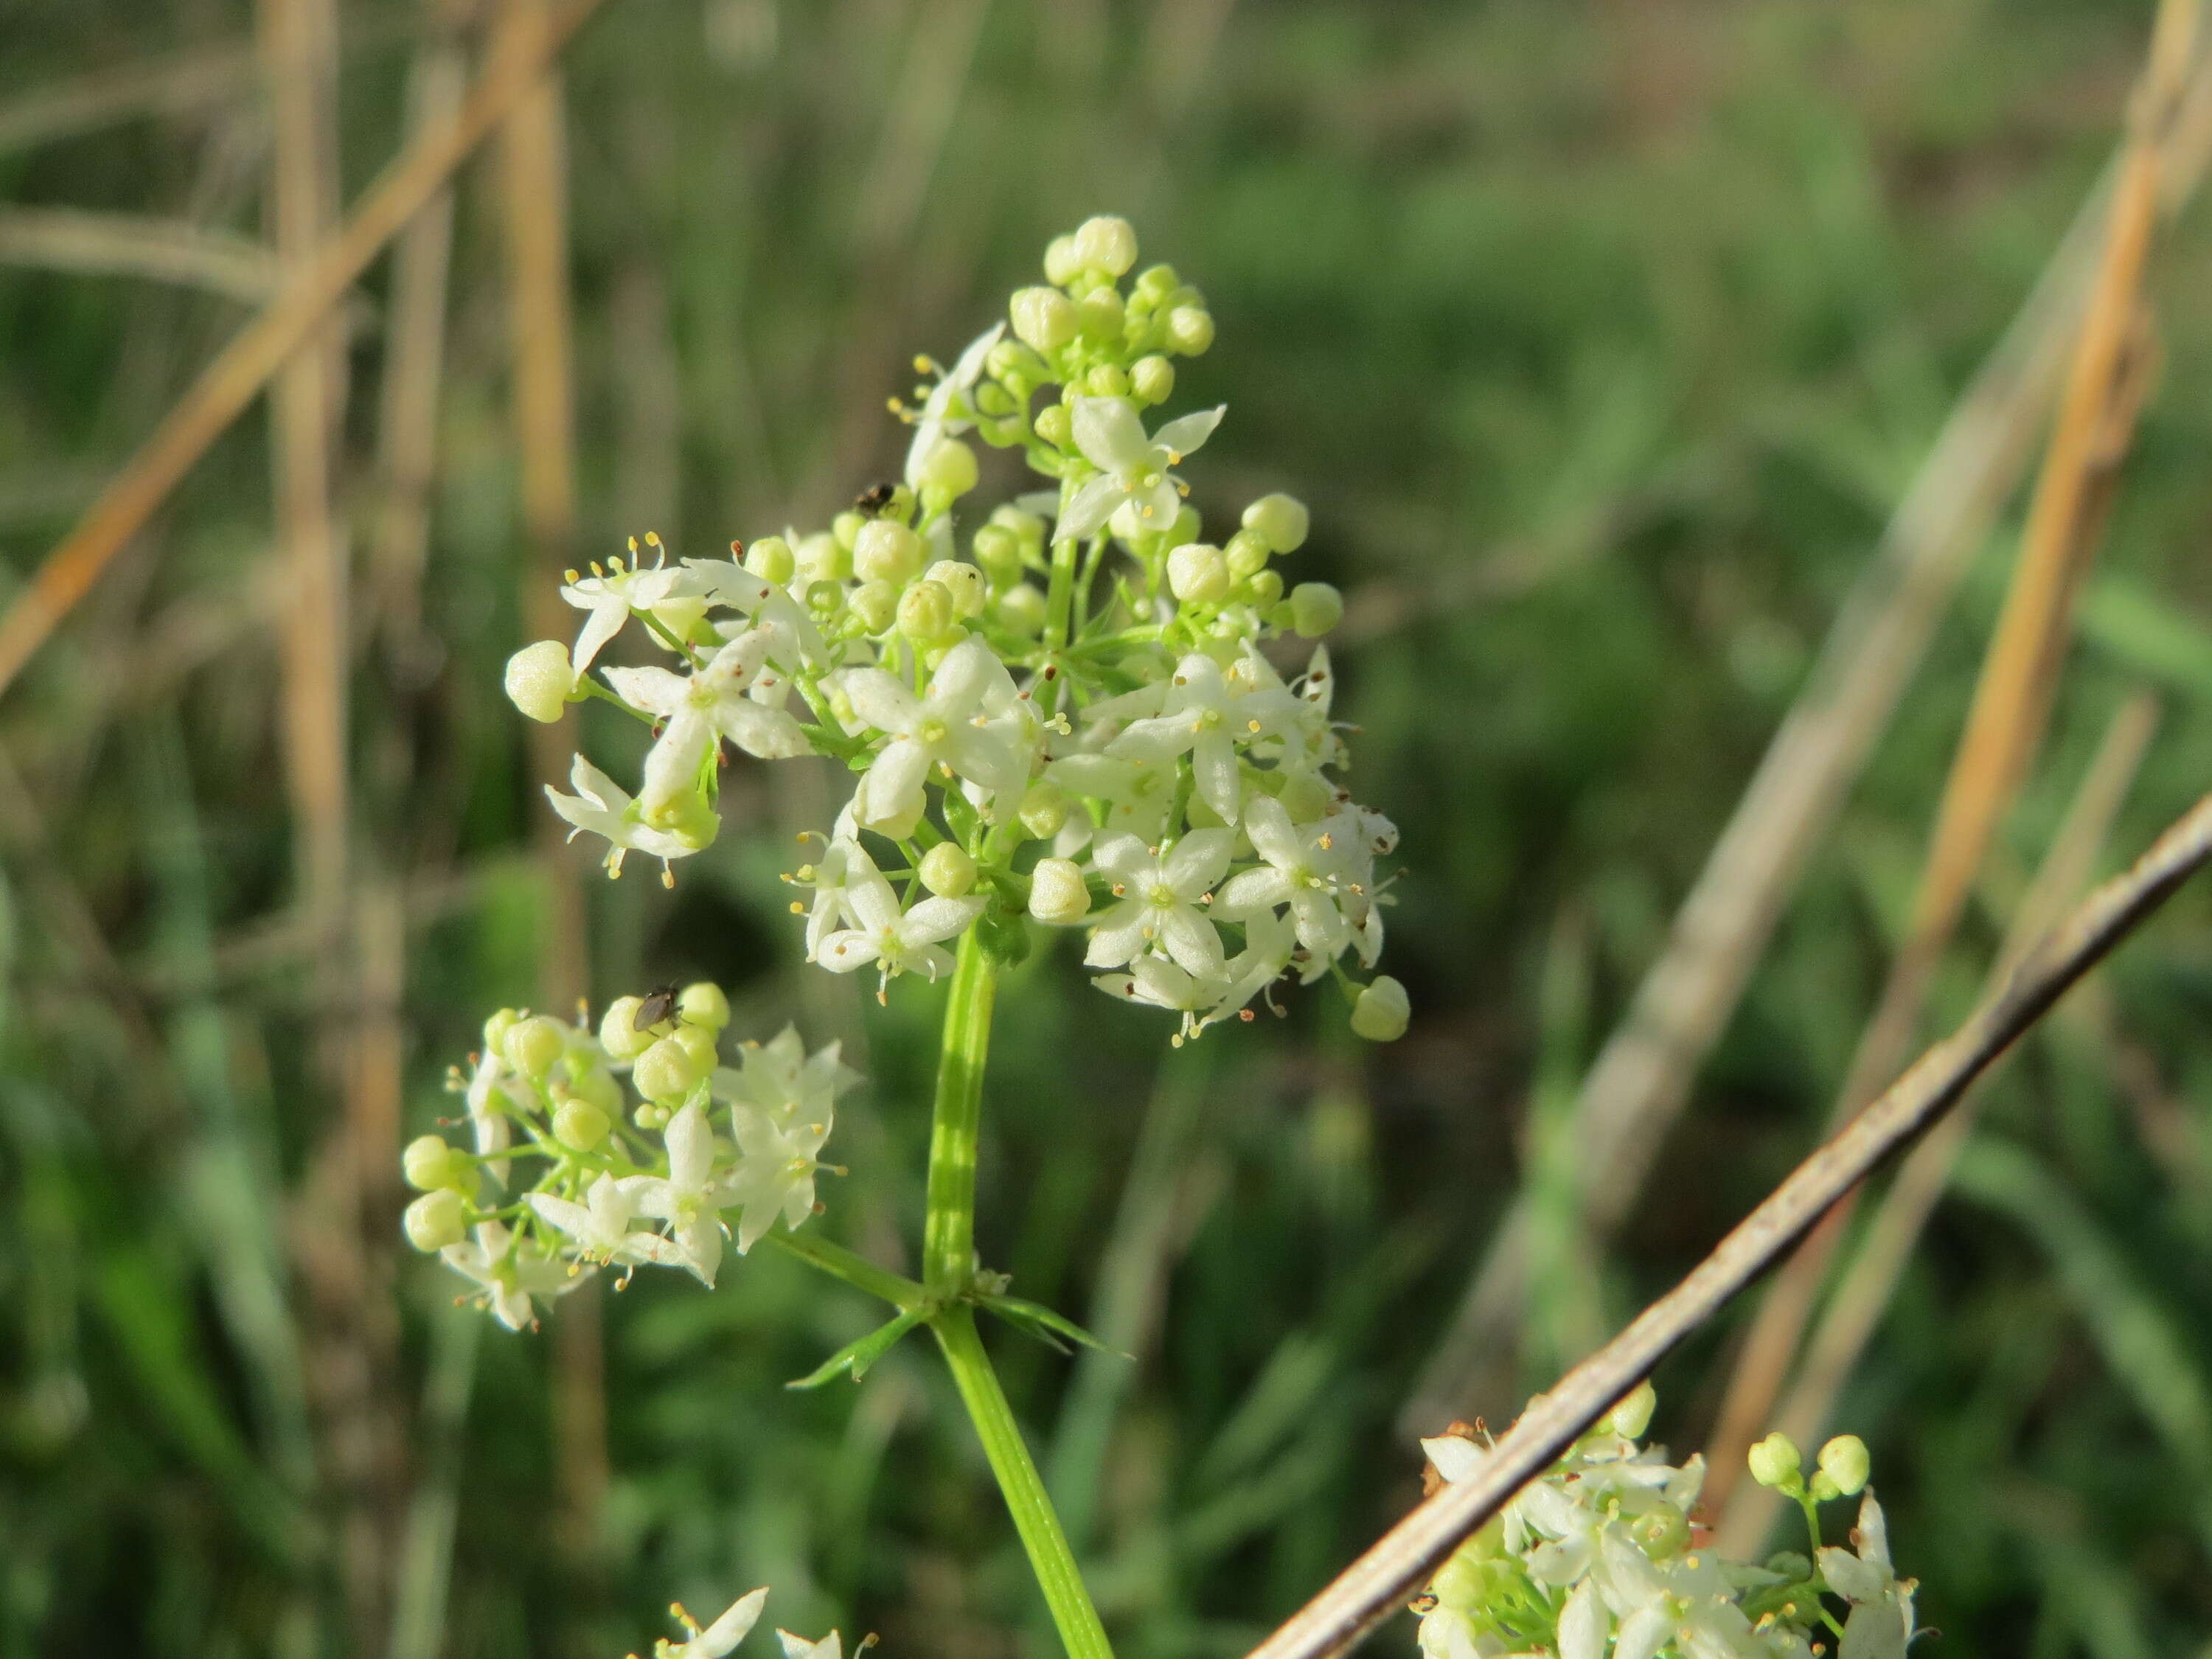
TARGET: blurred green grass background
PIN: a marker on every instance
(1601, 338)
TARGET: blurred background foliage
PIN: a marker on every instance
(1602, 338)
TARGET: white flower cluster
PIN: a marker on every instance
(621, 1185)
(1073, 710)
(1601, 1559)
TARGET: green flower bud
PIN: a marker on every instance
(1043, 809)
(1185, 527)
(824, 597)
(1280, 521)
(496, 1028)
(845, 527)
(1106, 244)
(617, 1035)
(1057, 894)
(685, 619)
(539, 680)
(1198, 574)
(875, 603)
(1774, 1461)
(822, 559)
(1022, 608)
(1305, 796)
(949, 469)
(1633, 1414)
(1107, 380)
(702, 1003)
(1055, 425)
(947, 871)
(1044, 318)
(1155, 284)
(701, 1042)
(1845, 1461)
(664, 1073)
(1190, 331)
(1100, 313)
(926, 611)
(1463, 1584)
(1316, 607)
(651, 1118)
(963, 581)
(430, 1164)
(1061, 260)
(435, 1220)
(1151, 378)
(998, 551)
(580, 1125)
(1383, 1012)
(1264, 588)
(1248, 554)
(887, 552)
(1028, 527)
(534, 1047)
(771, 559)
(598, 1085)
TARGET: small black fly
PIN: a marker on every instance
(875, 499)
(657, 1007)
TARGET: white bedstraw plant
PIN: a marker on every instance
(1072, 710)
(1602, 1558)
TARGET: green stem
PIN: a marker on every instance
(948, 1249)
(1050, 1558)
(948, 1238)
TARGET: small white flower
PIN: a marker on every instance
(1303, 870)
(699, 710)
(719, 1638)
(601, 807)
(1133, 469)
(611, 598)
(508, 1278)
(1159, 894)
(948, 726)
(792, 637)
(1880, 1622)
(797, 1647)
(776, 1173)
(899, 942)
(691, 1199)
(780, 1079)
(601, 1226)
(944, 413)
(1210, 718)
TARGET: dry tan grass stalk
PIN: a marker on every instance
(138, 245)
(1402, 1560)
(1849, 1323)
(1637, 1085)
(534, 188)
(235, 378)
(2105, 385)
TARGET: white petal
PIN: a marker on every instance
(1189, 432)
(1582, 1623)
(1197, 861)
(882, 701)
(732, 1627)
(1093, 505)
(1109, 435)
(1455, 1456)
(690, 1150)
(935, 918)
(655, 690)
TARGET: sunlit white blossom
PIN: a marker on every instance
(1134, 470)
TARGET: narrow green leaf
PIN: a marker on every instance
(857, 1357)
(1042, 1323)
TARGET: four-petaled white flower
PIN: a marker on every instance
(780, 1079)
(1880, 1622)
(700, 709)
(776, 1173)
(1133, 469)
(947, 727)
(945, 412)
(1303, 869)
(797, 1647)
(1159, 894)
(1209, 717)
(600, 1225)
(602, 807)
(691, 1199)
(611, 598)
(719, 1638)
(898, 941)
(508, 1278)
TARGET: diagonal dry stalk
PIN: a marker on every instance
(1864, 1293)
(1640, 1080)
(533, 182)
(1395, 1567)
(230, 383)
(2105, 390)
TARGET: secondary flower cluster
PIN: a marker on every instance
(620, 1183)
(1077, 708)
(1601, 1557)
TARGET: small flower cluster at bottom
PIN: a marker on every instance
(1600, 1556)
(717, 1640)
(621, 1183)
